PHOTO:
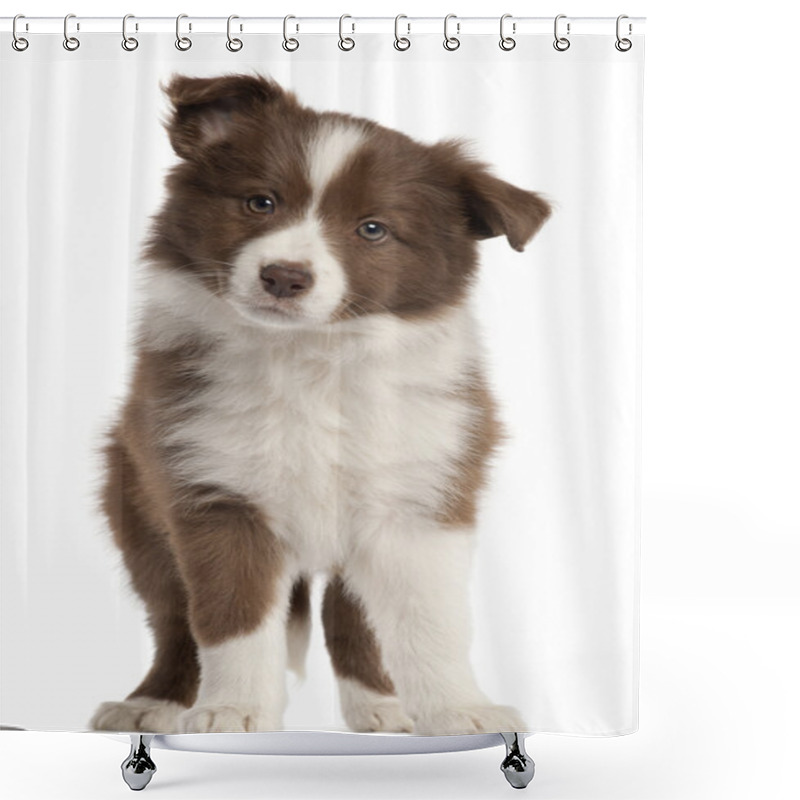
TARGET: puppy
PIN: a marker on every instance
(308, 397)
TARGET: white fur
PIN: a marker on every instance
(329, 151)
(347, 436)
(243, 679)
(414, 583)
(332, 431)
(368, 711)
(303, 242)
(143, 714)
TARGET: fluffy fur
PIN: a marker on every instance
(308, 398)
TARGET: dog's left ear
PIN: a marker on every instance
(496, 208)
(208, 110)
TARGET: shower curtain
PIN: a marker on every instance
(550, 599)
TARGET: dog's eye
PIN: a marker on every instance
(372, 231)
(261, 204)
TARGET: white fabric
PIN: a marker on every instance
(555, 592)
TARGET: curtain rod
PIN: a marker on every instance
(324, 25)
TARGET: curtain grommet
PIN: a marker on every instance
(19, 43)
(507, 43)
(289, 44)
(183, 43)
(234, 45)
(451, 43)
(401, 43)
(70, 43)
(623, 44)
(346, 43)
(129, 43)
(561, 43)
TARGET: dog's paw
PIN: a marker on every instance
(470, 719)
(366, 711)
(139, 714)
(226, 719)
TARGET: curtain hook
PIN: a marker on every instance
(623, 45)
(129, 43)
(345, 42)
(451, 42)
(289, 44)
(506, 42)
(70, 42)
(401, 42)
(234, 45)
(561, 43)
(182, 42)
(18, 42)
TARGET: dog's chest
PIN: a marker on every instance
(327, 439)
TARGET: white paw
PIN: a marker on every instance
(470, 719)
(226, 719)
(368, 711)
(140, 714)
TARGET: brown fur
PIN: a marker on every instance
(472, 469)
(185, 521)
(154, 574)
(300, 602)
(354, 650)
(436, 200)
(205, 219)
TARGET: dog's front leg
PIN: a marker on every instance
(415, 590)
(238, 585)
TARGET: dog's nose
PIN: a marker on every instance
(285, 279)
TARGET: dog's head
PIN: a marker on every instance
(297, 217)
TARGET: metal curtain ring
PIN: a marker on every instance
(401, 42)
(70, 42)
(289, 44)
(19, 43)
(561, 43)
(451, 42)
(129, 43)
(182, 42)
(623, 45)
(345, 42)
(506, 42)
(234, 45)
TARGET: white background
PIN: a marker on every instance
(720, 536)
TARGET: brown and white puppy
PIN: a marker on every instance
(308, 398)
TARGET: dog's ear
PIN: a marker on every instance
(208, 110)
(492, 206)
(496, 208)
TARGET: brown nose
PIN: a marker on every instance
(285, 279)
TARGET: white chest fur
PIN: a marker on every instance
(333, 432)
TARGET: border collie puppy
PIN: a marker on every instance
(308, 397)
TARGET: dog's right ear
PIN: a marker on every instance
(208, 110)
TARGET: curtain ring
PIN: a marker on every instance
(623, 45)
(401, 42)
(451, 42)
(18, 42)
(129, 43)
(345, 42)
(234, 45)
(289, 44)
(70, 42)
(506, 42)
(561, 43)
(182, 42)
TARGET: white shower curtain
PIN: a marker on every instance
(554, 587)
